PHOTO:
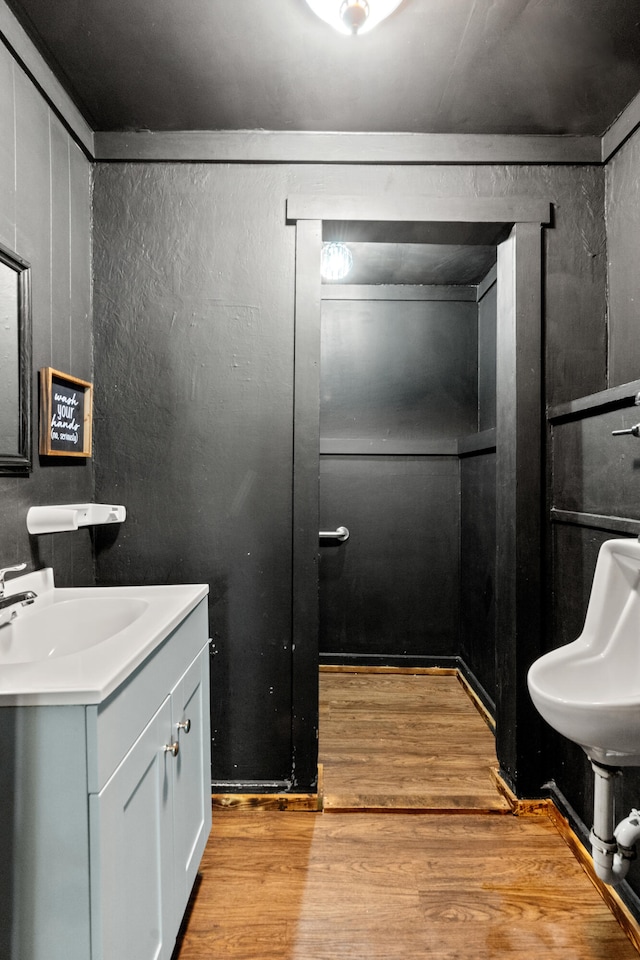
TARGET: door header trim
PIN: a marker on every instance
(419, 209)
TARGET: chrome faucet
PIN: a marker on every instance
(8, 605)
(4, 571)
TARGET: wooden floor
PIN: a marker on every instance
(406, 742)
(384, 884)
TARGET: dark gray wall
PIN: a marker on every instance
(416, 580)
(398, 369)
(478, 569)
(194, 285)
(392, 589)
(595, 478)
(623, 234)
(595, 495)
(478, 518)
(487, 328)
(45, 216)
(194, 293)
(399, 372)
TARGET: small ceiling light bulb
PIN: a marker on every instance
(335, 261)
(353, 17)
(354, 14)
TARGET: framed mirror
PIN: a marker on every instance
(15, 364)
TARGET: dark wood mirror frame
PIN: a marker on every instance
(18, 461)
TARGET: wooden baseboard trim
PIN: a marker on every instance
(519, 807)
(546, 807)
(609, 894)
(307, 802)
(406, 671)
(476, 701)
(417, 811)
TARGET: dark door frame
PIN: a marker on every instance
(519, 460)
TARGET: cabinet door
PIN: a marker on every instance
(192, 774)
(132, 909)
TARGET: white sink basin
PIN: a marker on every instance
(589, 690)
(66, 627)
(77, 645)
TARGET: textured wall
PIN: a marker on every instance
(194, 286)
(487, 312)
(392, 588)
(194, 294)
(574, 549)
(478, 518)
(394, 371)
(477, 568)
(623, 240)
(398, 370)
(595, 473)
(45, 216)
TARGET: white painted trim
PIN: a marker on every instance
(30, 60)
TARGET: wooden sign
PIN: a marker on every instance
(65, 414)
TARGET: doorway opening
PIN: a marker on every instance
(512, 230)
(408, 382)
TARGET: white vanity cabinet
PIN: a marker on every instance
(148, 827)
(109, 811)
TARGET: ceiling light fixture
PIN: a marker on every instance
(353, 16)
(335, 261)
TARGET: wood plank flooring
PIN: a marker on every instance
(386, 885)
(312, 886)
(406, 742)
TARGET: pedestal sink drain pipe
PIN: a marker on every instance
(612, 849)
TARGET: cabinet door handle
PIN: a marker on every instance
(184, 725)
(172, 748)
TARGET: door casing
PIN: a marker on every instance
(519, 460)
